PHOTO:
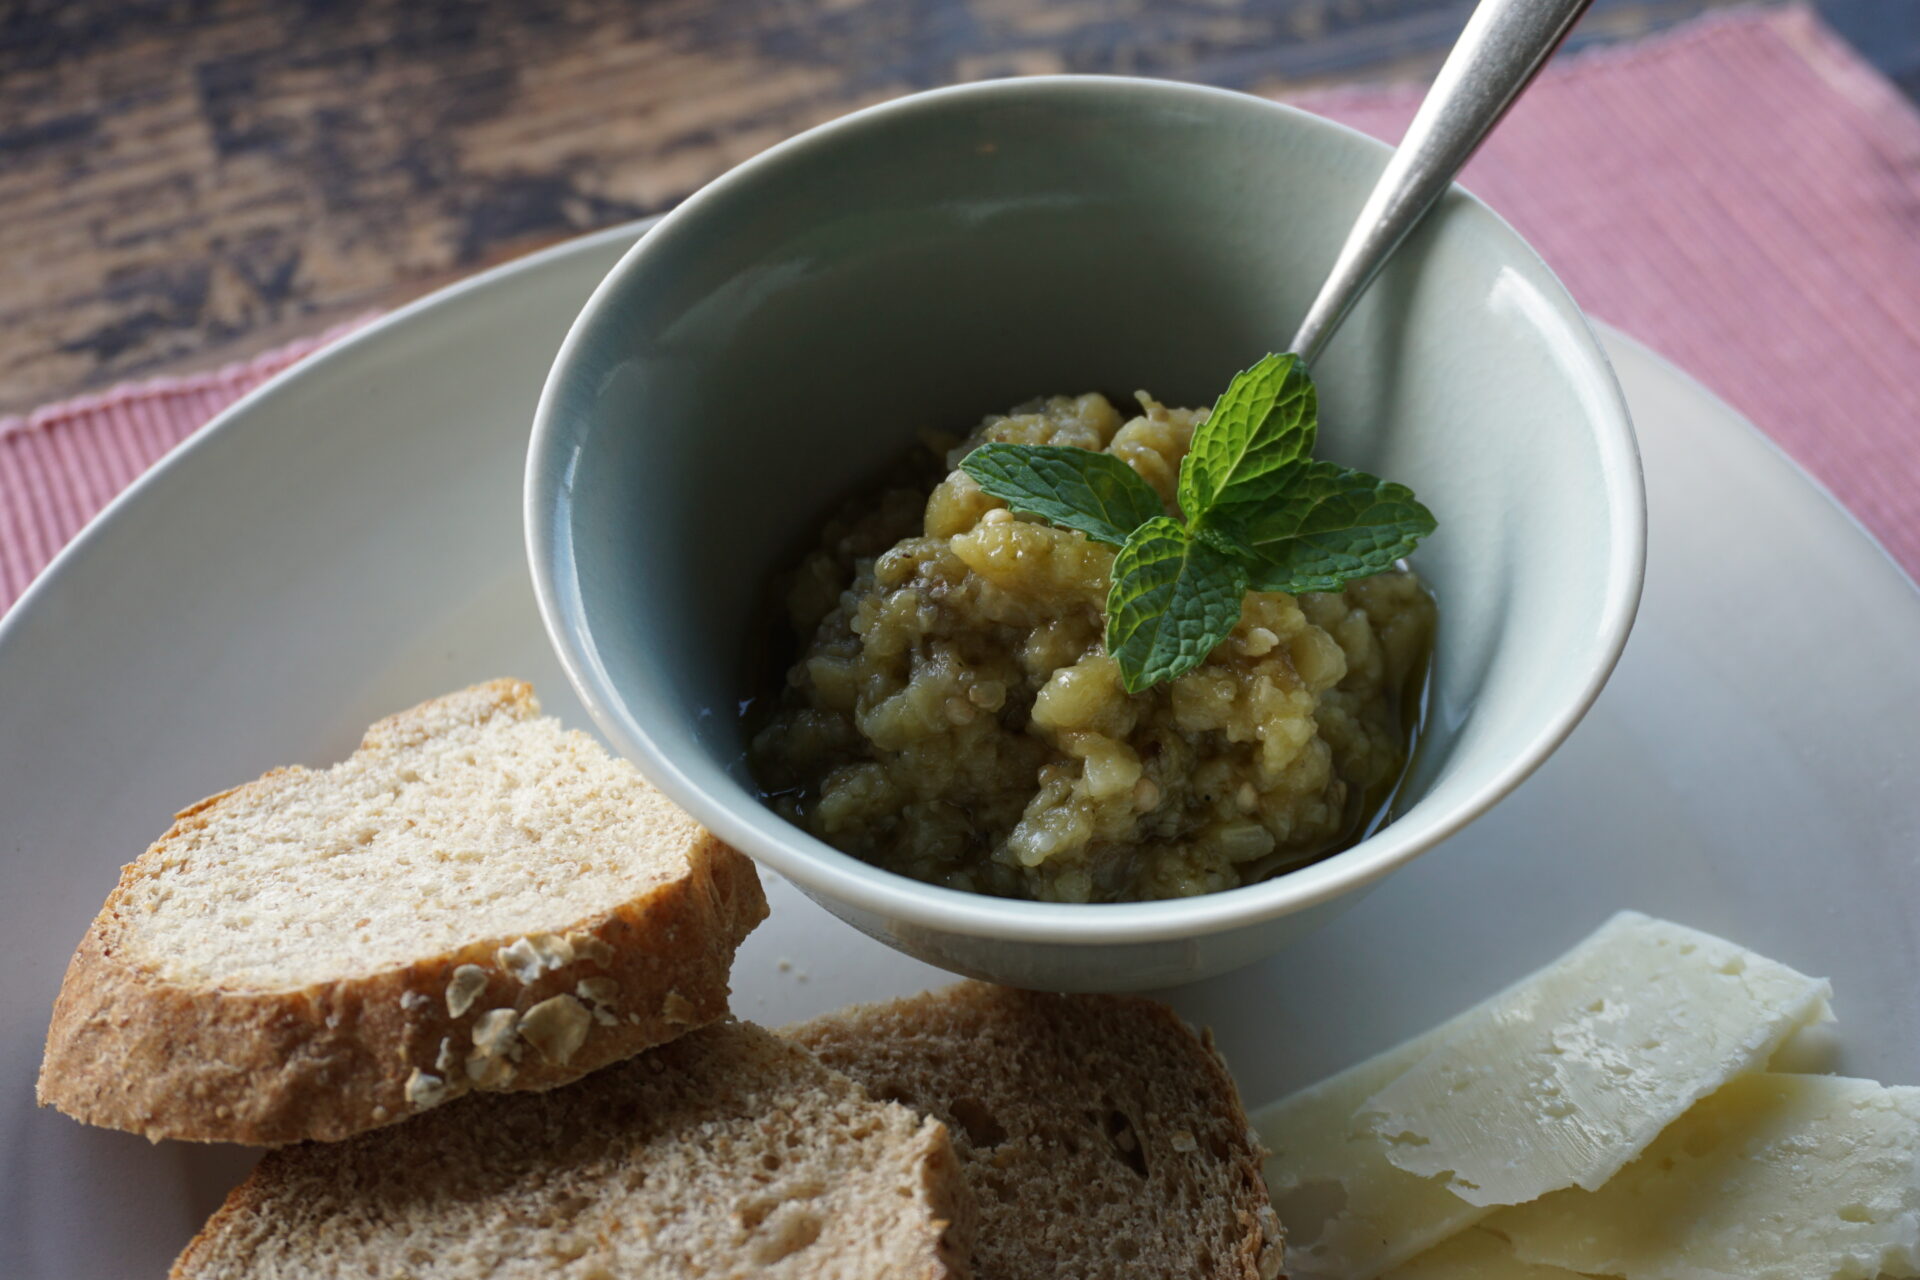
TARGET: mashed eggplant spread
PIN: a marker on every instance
(953, 714)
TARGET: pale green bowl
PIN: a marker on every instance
(783, 334)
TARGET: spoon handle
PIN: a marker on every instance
(1503, 47)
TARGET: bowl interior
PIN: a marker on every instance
(771, 345)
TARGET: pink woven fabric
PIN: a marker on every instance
(59, 465)
(1742, 194)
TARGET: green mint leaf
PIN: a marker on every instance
(1172, 600)
(1316, 526)
(1093, 492)
(1265, 420)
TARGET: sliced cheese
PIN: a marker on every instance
(1563, 1079)
(1775, 1177)
(1475, 1254)
(1349, 1213)
(1352, 1213)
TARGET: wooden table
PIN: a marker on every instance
(184, 182)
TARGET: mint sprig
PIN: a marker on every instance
(1259, 514)
(1173, 599)
(1319, 526)
(1263, 423)
(1082, 489)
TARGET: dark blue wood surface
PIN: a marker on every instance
(183, 182)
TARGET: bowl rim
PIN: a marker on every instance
(840, 878)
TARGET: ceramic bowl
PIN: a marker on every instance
(781, 336)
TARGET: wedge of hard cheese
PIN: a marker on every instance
(476, 899)
(1562, 1081)
(1775, 1177)
(726, 1154)
(1558, 1081)
(1350, 1212)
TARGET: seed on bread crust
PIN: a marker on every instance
(468, 981)
(520, 960)
(589, 946)
(495, 1049)
(598, 990)
(557, 1027)
(600, 994)
(554, 950)
(424, 1090)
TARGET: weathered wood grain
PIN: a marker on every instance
(183, 182)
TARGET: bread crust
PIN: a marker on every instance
(129, 1049)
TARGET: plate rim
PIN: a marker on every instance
(99, 529)
(314, 364)
(52, 580)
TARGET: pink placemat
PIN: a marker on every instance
(1743, 194)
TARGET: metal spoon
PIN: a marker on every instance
(1503, 47)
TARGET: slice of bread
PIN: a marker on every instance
(726, 1153)
(475, 899)
(1100, 1136)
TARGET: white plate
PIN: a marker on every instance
(346, 541)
